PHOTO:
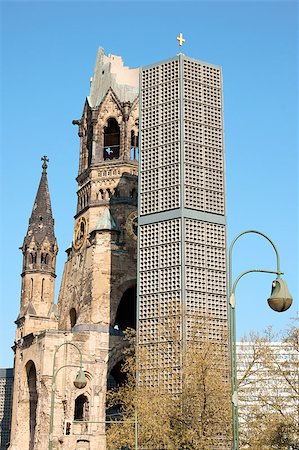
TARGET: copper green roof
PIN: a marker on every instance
(106, 221)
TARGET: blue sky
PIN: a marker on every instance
(48, 51)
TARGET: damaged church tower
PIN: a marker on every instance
(97, 298)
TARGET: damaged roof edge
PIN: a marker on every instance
(110, 71)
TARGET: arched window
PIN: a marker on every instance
(31, 288)
(89, 133)
(134, 145)
(31, 382)
(33, 258)
(126, 312)
(111, 140)
(44, 258)
(81, 408)
(73, 317)
(42, 289)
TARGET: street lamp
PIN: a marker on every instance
(280, 300)
(79, 382)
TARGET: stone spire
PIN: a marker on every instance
(39, 255)
(41, 222)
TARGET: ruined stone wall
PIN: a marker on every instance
(40, 352)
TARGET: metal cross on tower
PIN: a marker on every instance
(180, 39)
(45, 161)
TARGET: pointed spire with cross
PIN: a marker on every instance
(45, 160)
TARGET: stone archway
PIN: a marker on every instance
(127, 310)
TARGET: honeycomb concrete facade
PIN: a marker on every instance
(182, 224)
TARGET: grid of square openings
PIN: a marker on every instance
(161, 353)
(160, 257)
(200, 72)
(159, 156)
(205, 269)
(6, 388)
(160, 293)
(170, 377)
(204, 176)
(159, 305)
(209, 327)
(160, 330)
(206, 304)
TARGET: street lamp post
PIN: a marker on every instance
(280, 300)
(79, 382)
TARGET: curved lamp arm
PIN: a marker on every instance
(53, 387)
(278, 272)
(233, 290)
(62, 367)
(61, 345)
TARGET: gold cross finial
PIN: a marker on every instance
(180, 39)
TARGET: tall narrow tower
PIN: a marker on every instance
(37, 315)
(101, 263)
(182, 246)
(97, 299)
(39, 264)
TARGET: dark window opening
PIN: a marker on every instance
(44, 258)
(89, 142)
(33, 258)
(81, 408)
(134, 146)
(115, 379)
(31, 288)
(73, 317)
(111, 140)
(31, 380)
(126, 312)
(42, 289)
(133, 193)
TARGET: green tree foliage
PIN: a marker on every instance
(197, 417)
